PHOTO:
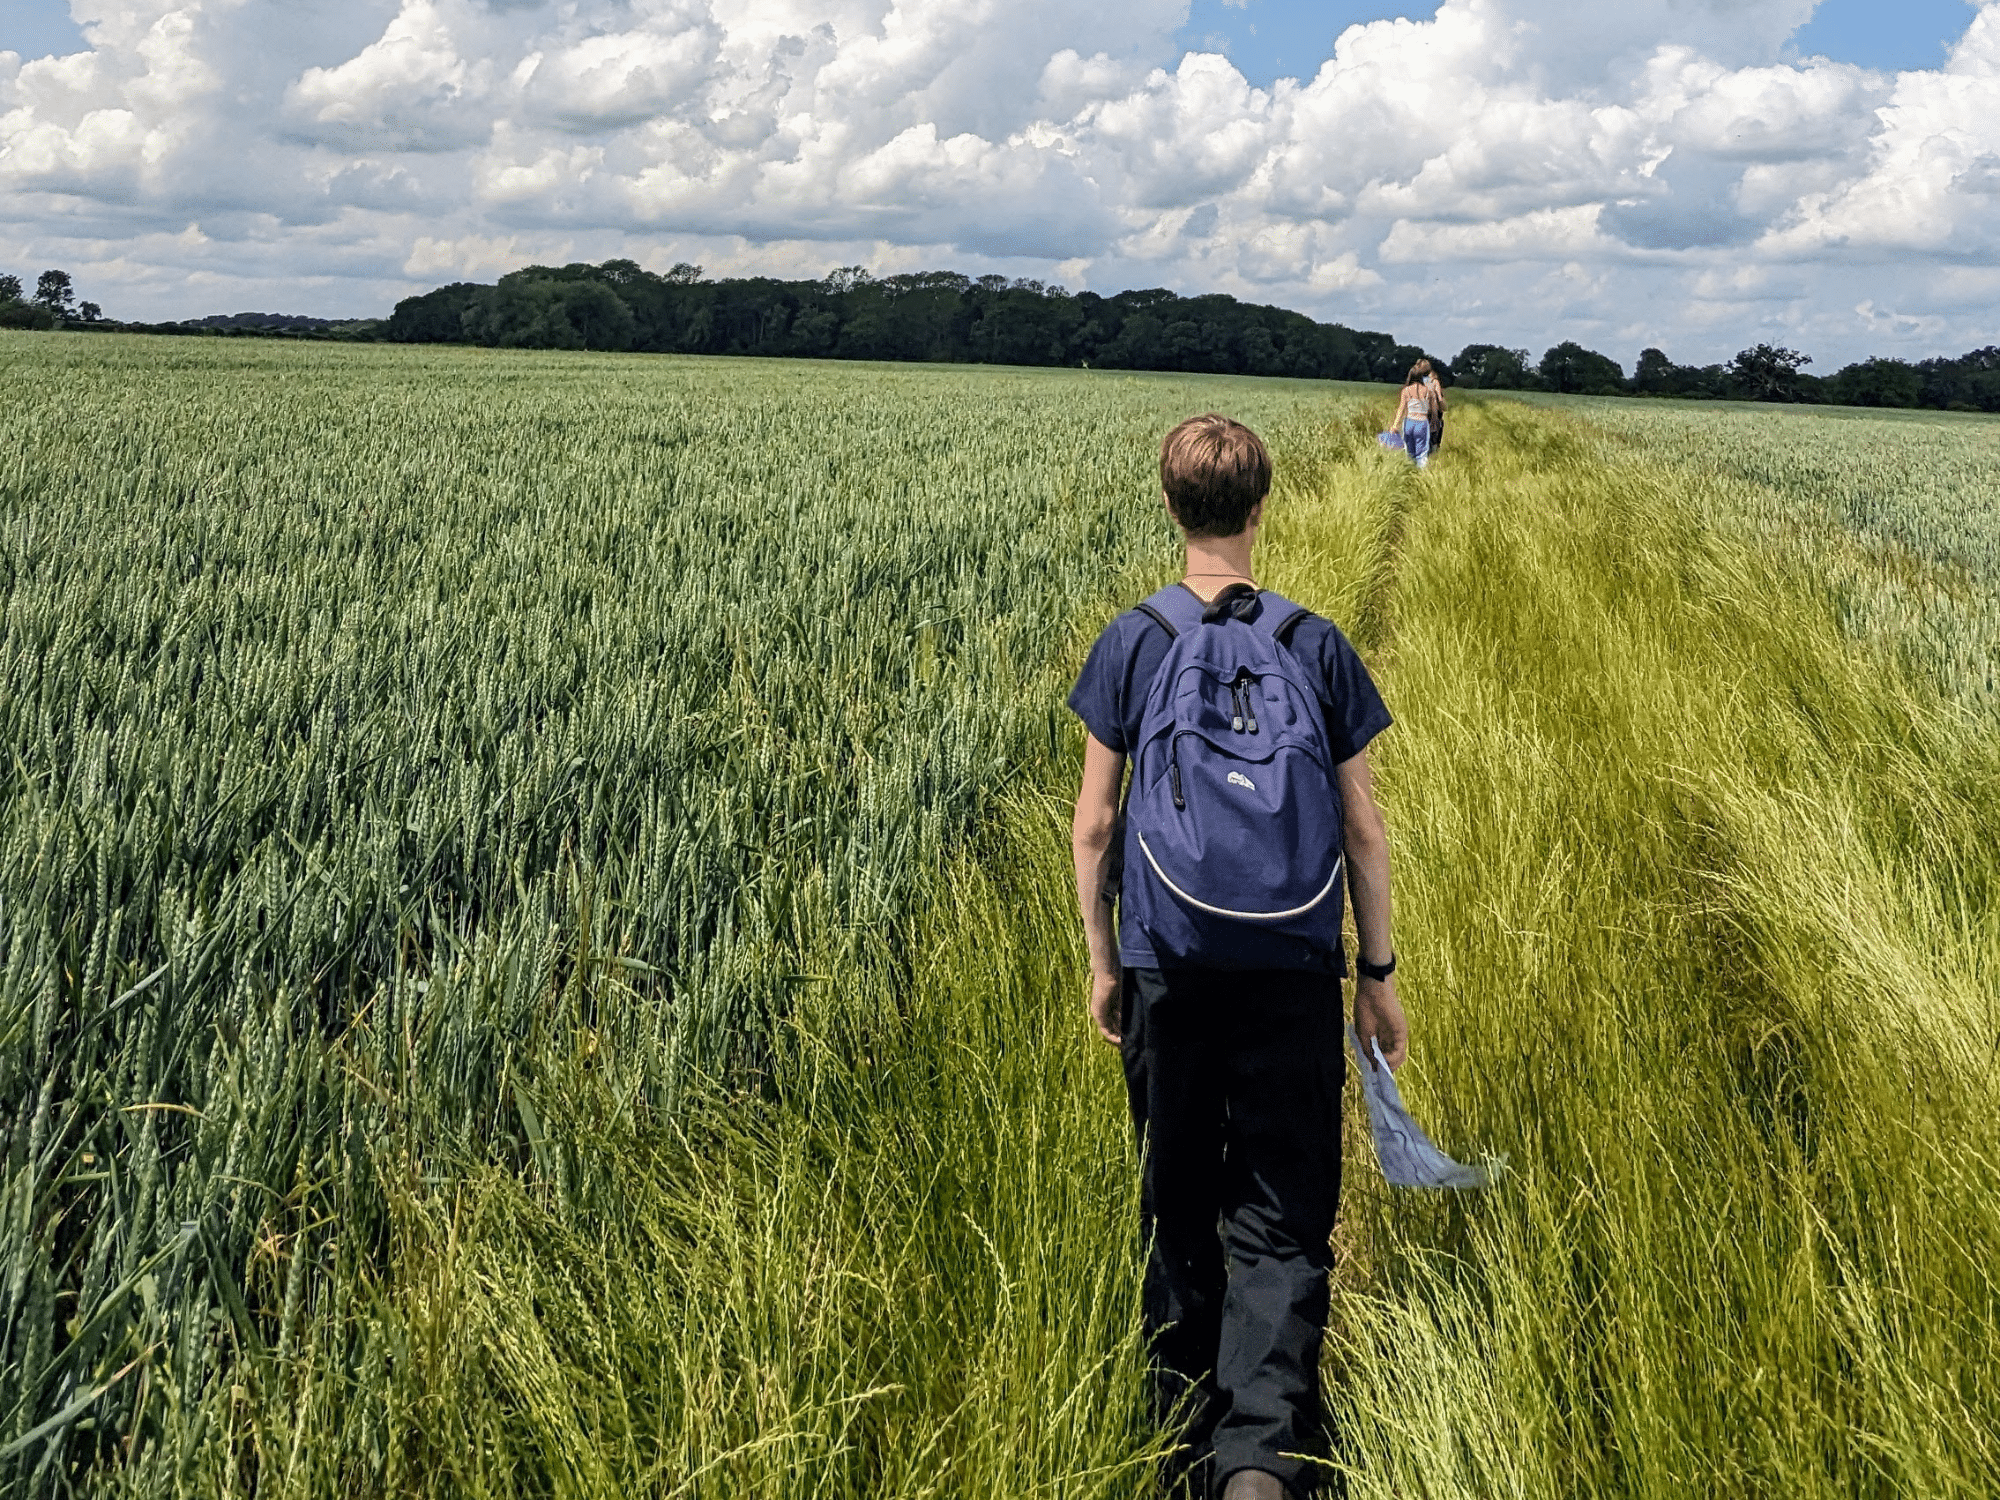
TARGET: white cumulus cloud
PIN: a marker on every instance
(1657, 171)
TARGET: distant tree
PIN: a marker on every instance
(55, 291)
(916, 282)
(601, 320)
(434, 318)
(1653, 375)
(10, 289)
(1575, 370)
(90, 312)
(944, 315)
(920, 315)
(540, 309)
(1259, 351)
(1876, 382)
(1768, 372)
(26, 315)
(1137, 345)
(260, 322)
(1377, 356)
(1970, 382)
(1656, 375)
(1490, 367)
(894, 319)
(815, 332)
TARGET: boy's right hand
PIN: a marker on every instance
(1104, 996)
(1378, 1018)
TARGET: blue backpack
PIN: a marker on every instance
(1232, 854)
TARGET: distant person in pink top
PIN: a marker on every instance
(1415, 404)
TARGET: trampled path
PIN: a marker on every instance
(1696, 900)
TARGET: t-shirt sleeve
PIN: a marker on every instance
(1355, 712)
(1099, 695)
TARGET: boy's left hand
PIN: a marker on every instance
(1378, 1017)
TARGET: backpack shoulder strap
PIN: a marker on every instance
(1279, 618)
(1174, 609)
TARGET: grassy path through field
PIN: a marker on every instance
(1697, 904)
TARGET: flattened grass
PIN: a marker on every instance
(1697, 905)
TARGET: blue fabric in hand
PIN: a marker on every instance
(1408, 1158)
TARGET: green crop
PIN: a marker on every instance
(402, 747)
(1901, 512)
(540, 956)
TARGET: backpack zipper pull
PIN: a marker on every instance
(1174, 773)
(1249, 712)
(1236, 703)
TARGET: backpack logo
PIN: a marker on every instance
(1237, 778)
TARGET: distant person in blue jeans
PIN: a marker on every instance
(1417, 403)
(1425, 371)
(1226, 1008)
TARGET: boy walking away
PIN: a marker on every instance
(1416, 403)
(1245, 720)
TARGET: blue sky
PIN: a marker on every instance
(1269, 39)
(1698, 175)
(37, 28)
(1894, 34)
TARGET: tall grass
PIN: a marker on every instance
(1900, 511)
(1697, 903)
(907, 1272)
(541, 962)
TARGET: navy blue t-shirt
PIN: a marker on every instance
(1110, 698)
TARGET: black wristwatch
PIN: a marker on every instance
(1377, 972)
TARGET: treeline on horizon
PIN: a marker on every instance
(943, 316)
(938, 316)
(1767, 372)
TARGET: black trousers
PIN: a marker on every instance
(1234, 1080)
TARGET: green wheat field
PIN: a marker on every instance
(539, 956)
